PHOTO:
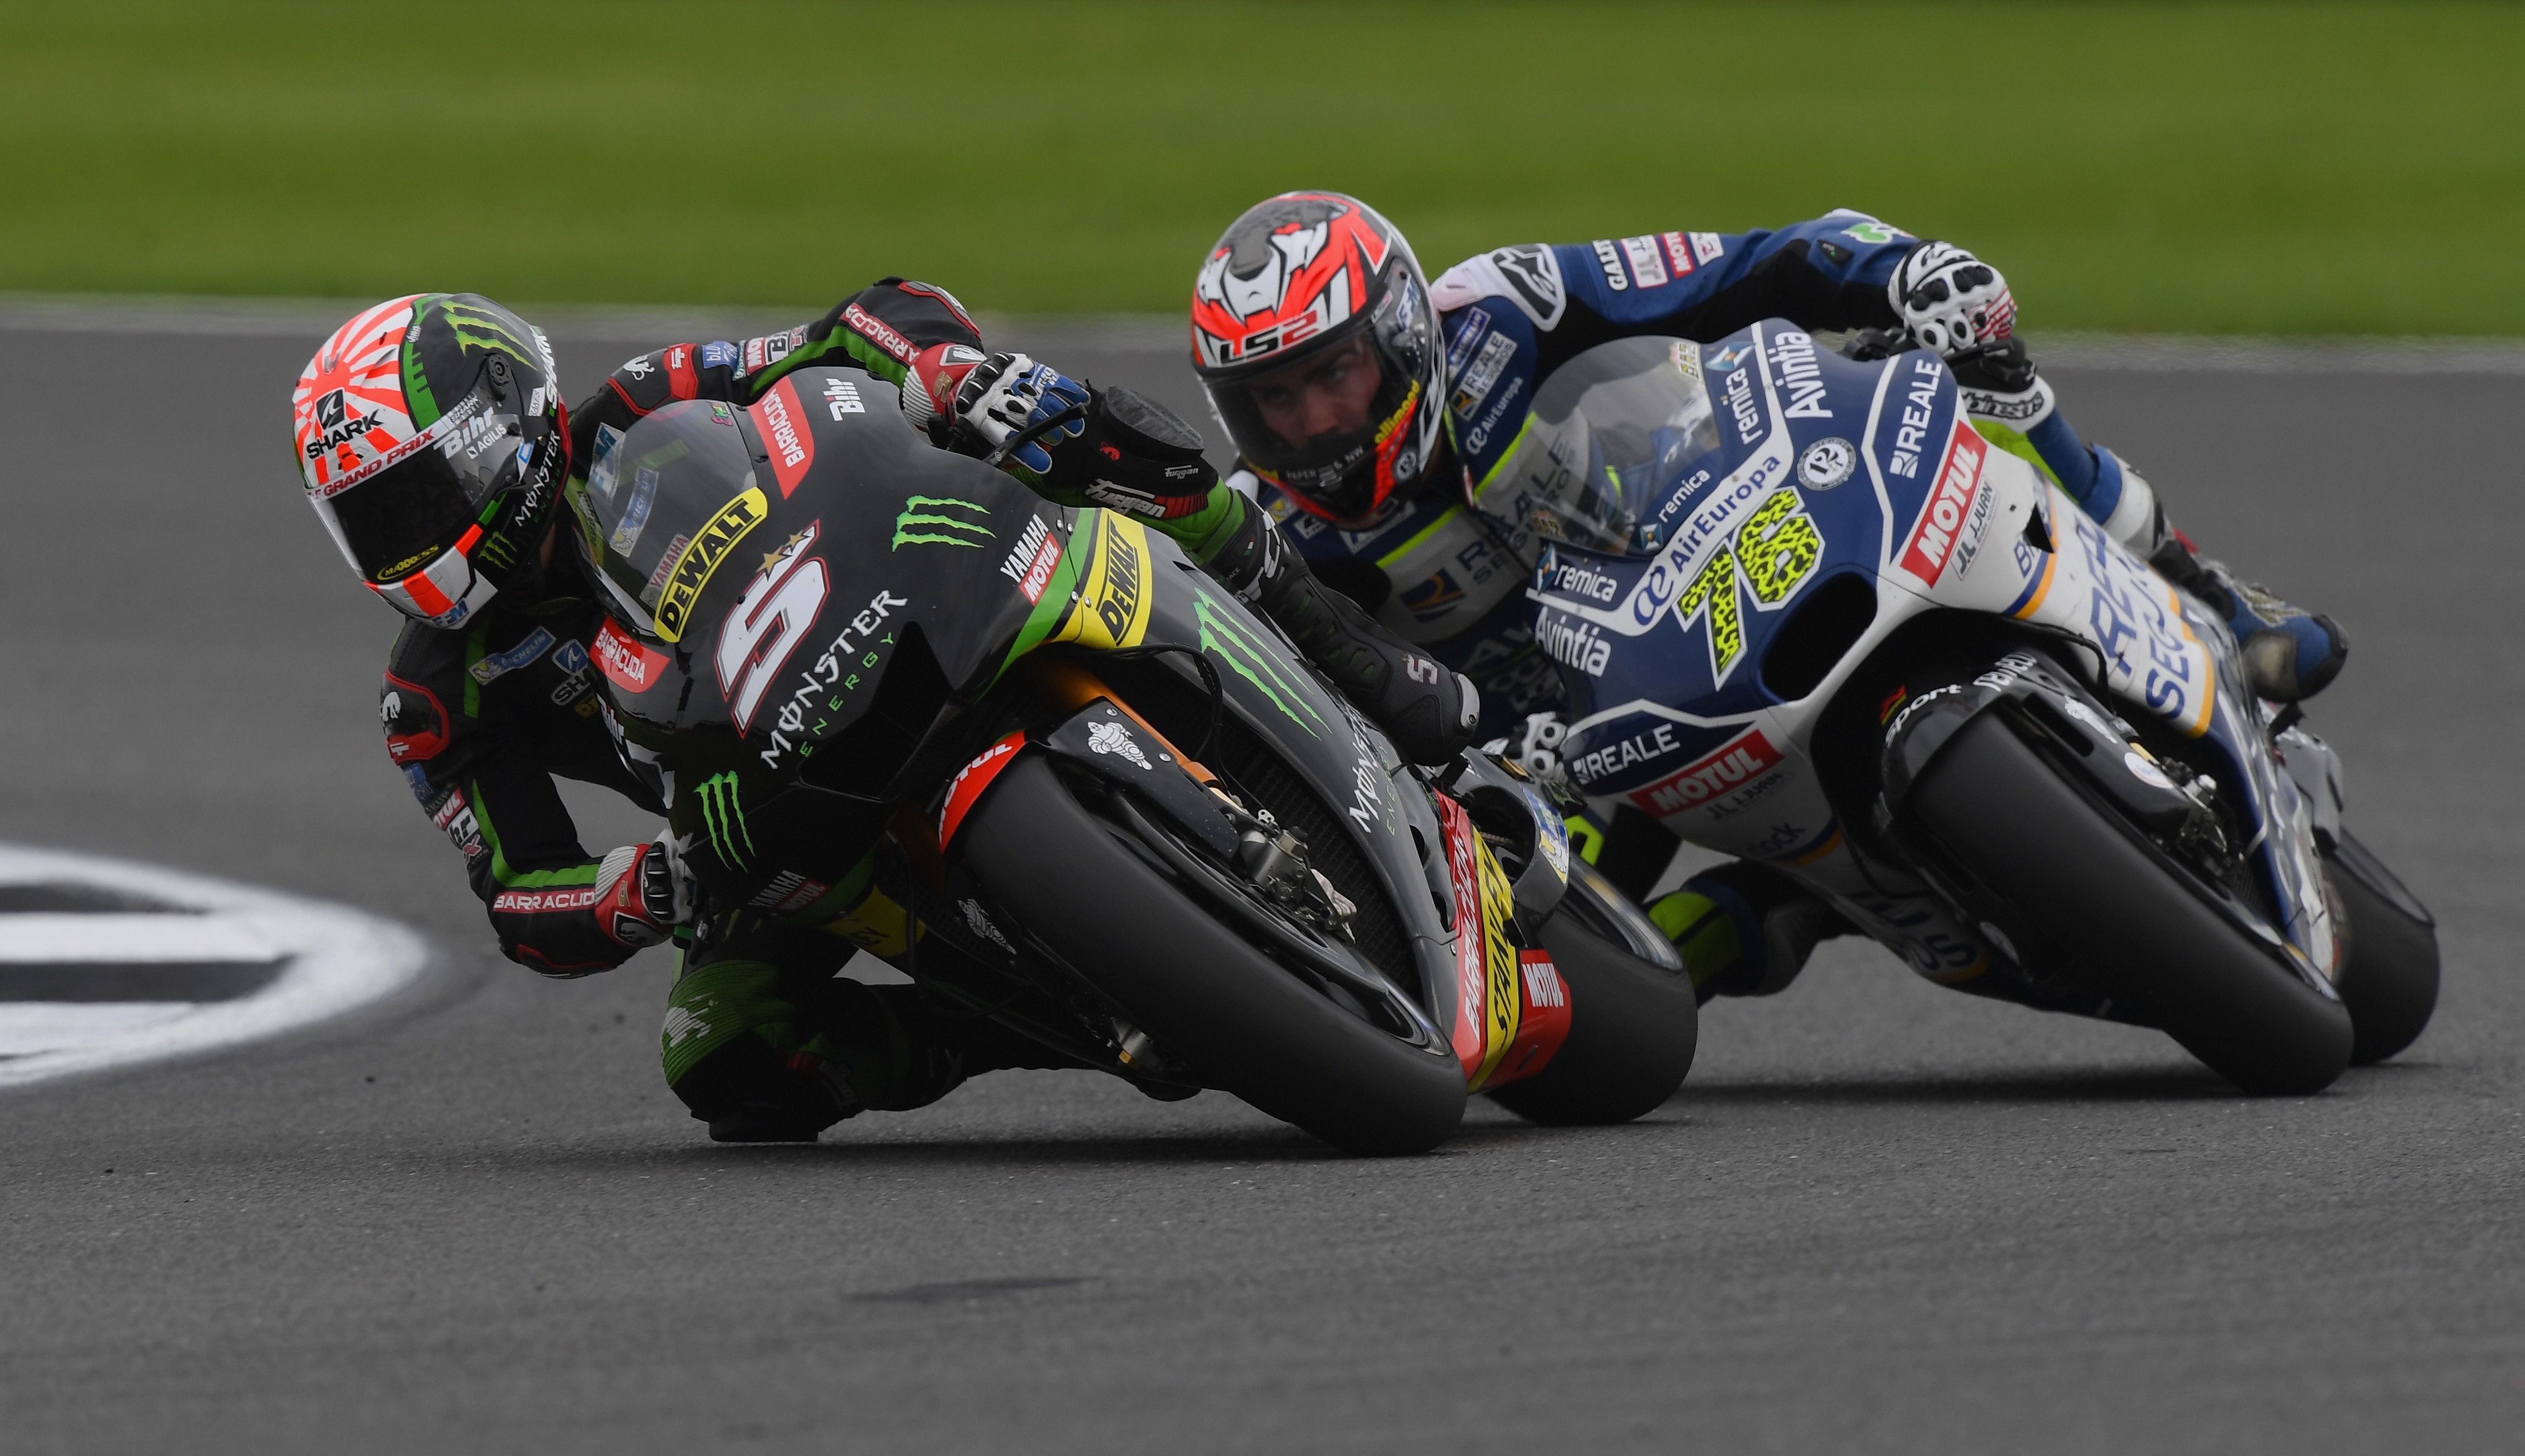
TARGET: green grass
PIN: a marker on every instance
(2260, 168)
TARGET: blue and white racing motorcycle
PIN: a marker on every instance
(1810, 616)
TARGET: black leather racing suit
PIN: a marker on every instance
(482, 718)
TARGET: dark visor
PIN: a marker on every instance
(405, 516)
(1253, 427)
(397, 519)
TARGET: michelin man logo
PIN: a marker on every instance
(1114, 739)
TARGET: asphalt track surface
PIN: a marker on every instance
(1881, 1216)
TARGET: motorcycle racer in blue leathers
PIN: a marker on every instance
(1373, 412)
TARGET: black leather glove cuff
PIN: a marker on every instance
(2002, 366)
(1134, 456)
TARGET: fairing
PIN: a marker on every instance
(890, 542)
(1826, 469)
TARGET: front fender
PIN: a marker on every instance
(1113, 745)
(1924, 716)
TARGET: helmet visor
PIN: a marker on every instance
(1333, 421)
(1619, 432)
(395, 521)
(1317, 424)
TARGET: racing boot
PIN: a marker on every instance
(2290, 654)
(1429, 710)
(1744, 929)
(882, 1048)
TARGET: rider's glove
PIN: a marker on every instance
(642, 893)
(2001, 386)
(1536, 748)
(931, 384)
(1008, 396)
(1949, 299)
(1114, 447)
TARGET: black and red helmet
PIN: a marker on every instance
(1319, 278)
(430, 438)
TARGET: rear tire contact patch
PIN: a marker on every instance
(105, 963)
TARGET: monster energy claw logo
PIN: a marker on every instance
(1224, 638)
(476, 328)
(723, 819)
(921, 523)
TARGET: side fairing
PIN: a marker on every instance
(1663, 649)
(864, 542)
(1376, 801)
(866, 531)
(1344, 757)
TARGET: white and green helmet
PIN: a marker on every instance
(431, 440)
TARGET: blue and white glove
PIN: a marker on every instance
(1950, 301)
(1536, 748)
(1007, 393)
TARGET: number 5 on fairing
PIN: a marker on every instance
(768, 624)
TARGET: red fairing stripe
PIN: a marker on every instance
(1468, 1036)
(1738, 761)
(972, 780)
(786, 434)
(624, 661)
(1950, 504)
(1545, 1025)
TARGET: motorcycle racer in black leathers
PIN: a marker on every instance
(433, 444)
(1374, 411)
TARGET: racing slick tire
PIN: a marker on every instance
(1632, 1033)
(2389, 980)
(2111, 912)
(1240, 1021)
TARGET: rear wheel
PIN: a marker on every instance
(2108, 912)
(2390, 978)
(1633, 1029)
(1240, 1020)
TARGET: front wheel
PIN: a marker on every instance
(2106, 911)
(1242, 1022)
(2389, 980)
(1633, 1029)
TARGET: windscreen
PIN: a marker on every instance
(1613, 431)
(652, 492)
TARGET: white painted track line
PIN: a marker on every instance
(335, 959)
(238, 935)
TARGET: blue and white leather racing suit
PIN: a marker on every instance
(1453, 584)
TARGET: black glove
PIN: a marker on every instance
(1108, 447)
(1428, 711)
